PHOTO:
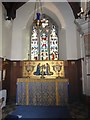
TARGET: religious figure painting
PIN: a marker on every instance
(43, 69)
(48, 72)
(37, 70)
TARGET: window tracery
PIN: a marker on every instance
(44, 41)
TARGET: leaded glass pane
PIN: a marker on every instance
(44, 46)
(53, 44)
(44, 40)
(34, 45)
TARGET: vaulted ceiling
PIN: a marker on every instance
(11, 8)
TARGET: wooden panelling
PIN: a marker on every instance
(86, 101)
(0, 63)
(73, 73)
(5, 84)
(6, 65)
(88, 105)
(16, 72)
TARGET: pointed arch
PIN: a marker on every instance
(44, 40)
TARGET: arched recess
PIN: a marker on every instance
(62, 14)
(57, 18)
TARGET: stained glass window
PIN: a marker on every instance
(44, 47)
(53, 44)
(44, 40)
(34, 44)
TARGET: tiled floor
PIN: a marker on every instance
(77, 110)
(9, 108)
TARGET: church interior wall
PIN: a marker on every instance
(0, 30)
(79, 44)
(14, 40)
(6, 36)
(70, 39)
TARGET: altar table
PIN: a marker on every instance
(44, 92)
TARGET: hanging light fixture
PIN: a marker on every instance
(85, 11)
(37, 19)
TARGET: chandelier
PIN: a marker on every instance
(37, 19)
(84, 14)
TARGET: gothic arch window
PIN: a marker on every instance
(44, 40)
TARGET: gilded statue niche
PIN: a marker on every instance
(43, 69)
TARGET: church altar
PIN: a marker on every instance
(42, 91)
(43, 83)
